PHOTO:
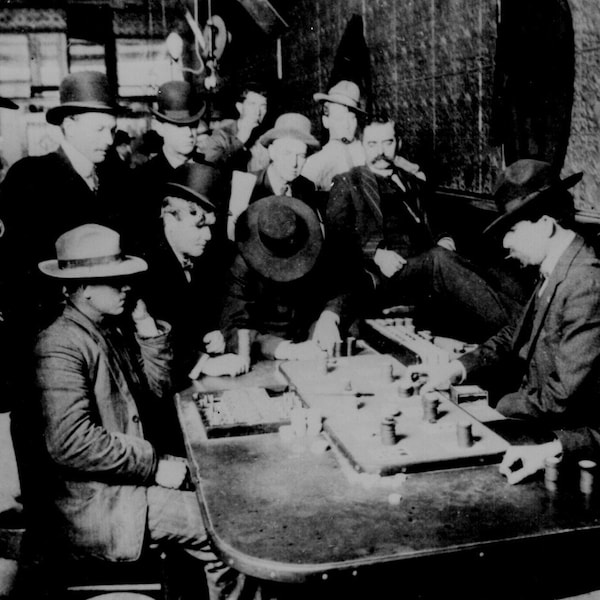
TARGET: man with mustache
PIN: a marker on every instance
(386, 253)
(551, 355)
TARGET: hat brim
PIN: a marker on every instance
(528, 204)
(7, 103)
(57, 114)
(181, 191)
(320, 97)
(130, 265)
(185, 119)
(262, 260)
(275, 134)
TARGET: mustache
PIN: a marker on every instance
(383, 157)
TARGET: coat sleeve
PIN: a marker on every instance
(157, 359)
(75, 438)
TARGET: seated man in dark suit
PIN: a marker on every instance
(186, 271)
(552, 353)
(92, 476)
(279, 294)
(384, 248)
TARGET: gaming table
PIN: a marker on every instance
(297, 511)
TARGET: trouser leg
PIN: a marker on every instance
(452, 285)
(174, 516)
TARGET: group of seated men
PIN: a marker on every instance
(300, 269)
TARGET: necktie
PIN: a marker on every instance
(187, 265)
(92, 179)
(286, 190)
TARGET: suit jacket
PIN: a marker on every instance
(557, 347)
(191, 308)
(95, 387)
(355, 221)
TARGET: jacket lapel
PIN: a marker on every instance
(370, 192)
(545, 300)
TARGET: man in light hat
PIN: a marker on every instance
(176, 118)
(551, 355)
(92, 477)
(279, 291)
(386, 251)
(41, 197)
(341, 111)
(233, 144)
(185, 278)
(287, 143)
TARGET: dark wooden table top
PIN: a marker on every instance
(283, 511)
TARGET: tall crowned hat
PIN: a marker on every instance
(198, 183)
(290, 125)
(84, 91)
(344, 92)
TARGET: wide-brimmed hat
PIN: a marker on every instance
(84, 91)
(290, 125)
(528, 188)
(178, 104)
(91, 252)
(344, 92)
(7, 103)
(279, 237)
(197, 183)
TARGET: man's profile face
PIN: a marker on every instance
(341, 122)
(190, 227)
(91, 134)
(526, 241)
(108, 297)
(253, 108)
(177, 139)
(288, 156)
(379, 141)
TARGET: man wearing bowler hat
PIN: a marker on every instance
(279, 289)
(92, 477)
(175, 118)
(185, 278)
(41, 197)
(553, 350)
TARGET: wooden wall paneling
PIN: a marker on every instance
(583, 152)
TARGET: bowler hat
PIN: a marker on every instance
(290, 125)
(91, 252)
(529, 188)
(178, 104)
(279, 237)
(344, 92)
(197, 183)
(84, 91)
(6, 103)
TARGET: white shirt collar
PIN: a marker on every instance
(82, 165)
(555, 252)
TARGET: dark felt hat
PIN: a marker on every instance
(197, 183)
(528, 189)
(84, 91)
(279, 237)
(178, 104)
(6, 103)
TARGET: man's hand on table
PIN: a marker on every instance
(438, 377)
(520, 462)
(326, 332)
(216, 366)
(214, 342)
(170, 473)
